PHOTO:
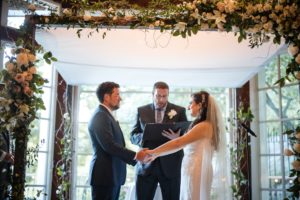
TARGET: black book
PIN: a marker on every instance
(153, 132)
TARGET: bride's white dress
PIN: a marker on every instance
(197, 171)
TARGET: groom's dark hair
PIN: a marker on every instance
(105, 88)
(160, 85)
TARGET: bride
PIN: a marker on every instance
(204, 140)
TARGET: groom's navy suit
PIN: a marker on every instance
(163, 168)
(108, 165)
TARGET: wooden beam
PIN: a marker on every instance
(9, 34)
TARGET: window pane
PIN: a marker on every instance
(84, 143)
(269, 75)
(271, 173)
(290, 102)
(47, 102)
(40, 134)
(271, 195)
(88, 103)
(83, 166)
(37, 193)
(83, 193)
(130, 102)
(36, 173)
(284, 60)
(45, 70)
(269, 104)
(270, 134)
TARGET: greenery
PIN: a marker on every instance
(258, 21)
(239, 151)
(19, 102)
(63, 166)
(294, 139)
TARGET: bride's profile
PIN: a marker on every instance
(204, 141)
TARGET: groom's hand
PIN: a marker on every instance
(142, 156)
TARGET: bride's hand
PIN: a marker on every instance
(171, 134)
(150, 156)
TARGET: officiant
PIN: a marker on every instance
(164, 170)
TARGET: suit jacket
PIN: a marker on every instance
(171, 164)
(108, 165)
(4, 166)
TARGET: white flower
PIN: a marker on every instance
(24, 108)
(288, 152)
(66, 116)
(293, 49)
(172, 113)
(180, 26)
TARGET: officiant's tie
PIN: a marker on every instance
(159, 116)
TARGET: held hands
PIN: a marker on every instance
(171, 134)
(145, 156)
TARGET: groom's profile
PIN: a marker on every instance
(164, 170)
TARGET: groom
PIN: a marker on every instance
(164, 170)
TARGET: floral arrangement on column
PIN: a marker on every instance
(19, 102)
(294, 152)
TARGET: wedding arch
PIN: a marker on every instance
(256, 21)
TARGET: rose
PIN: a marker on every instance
(293, 49)
(296, 165)
(297, 59)
(24, 108)
(19, 78)
(66, 11)
(32, 70)
(22, 59)
(296, 147)
(31, 7)
(172, 113)
(10, 67)
(288, 152)
(31, 57)
(87, 17)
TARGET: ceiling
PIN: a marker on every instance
(139, 57)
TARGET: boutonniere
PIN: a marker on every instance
(172, 113)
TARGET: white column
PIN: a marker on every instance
(255, 164)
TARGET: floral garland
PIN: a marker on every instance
(294, 139)
(247, 19)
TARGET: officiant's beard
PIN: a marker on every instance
(115, 107)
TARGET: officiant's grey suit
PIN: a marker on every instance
(166, 167)
(108, 165)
